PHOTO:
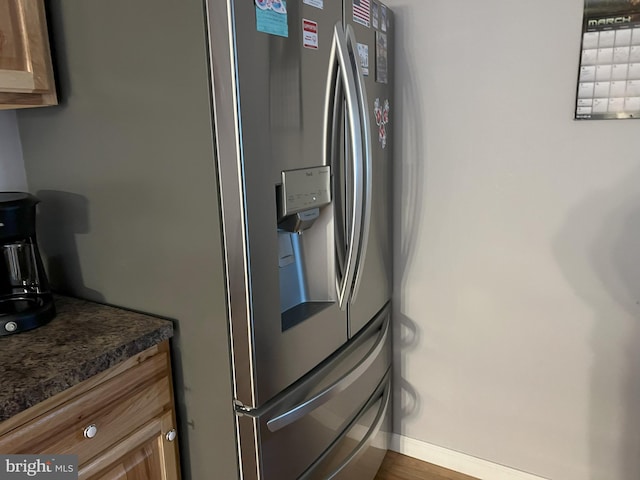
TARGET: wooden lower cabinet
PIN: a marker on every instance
(146, 454)
(120, 423)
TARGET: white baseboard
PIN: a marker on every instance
(459, 462)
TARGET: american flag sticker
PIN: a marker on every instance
(362, 12)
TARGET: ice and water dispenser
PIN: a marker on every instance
(305, 244)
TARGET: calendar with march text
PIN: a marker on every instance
(609, 75)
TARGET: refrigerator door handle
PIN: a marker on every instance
(333, 125)
(366, 160)
(302, 409)
(346, 62)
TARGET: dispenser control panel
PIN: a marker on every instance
(304, 189)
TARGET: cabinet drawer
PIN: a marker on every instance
(115, 407)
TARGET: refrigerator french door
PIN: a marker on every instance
(372, 287)
(284, 312)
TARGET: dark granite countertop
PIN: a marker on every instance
(83, 340)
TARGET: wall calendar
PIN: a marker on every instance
(609, 74)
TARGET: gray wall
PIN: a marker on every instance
(12, 176)
(518, 244)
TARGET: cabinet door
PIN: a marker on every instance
(26, 76)
(147, 454)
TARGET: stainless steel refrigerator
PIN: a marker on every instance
(228, 165)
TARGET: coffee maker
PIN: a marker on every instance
(26, 301)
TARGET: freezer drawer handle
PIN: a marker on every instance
(373, 431)
(335, 388)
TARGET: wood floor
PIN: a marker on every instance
(401, 467)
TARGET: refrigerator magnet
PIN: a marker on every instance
(374, 15)
(363, 53)
(381, 57)
(309, 34)
(361, 12)
(383, 18)
(381, 113)
(271, 17)
(315, 3)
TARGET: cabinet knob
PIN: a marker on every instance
(11, 326)
(171, 435)
(91, 431)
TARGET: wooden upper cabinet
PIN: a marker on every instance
(26, 74)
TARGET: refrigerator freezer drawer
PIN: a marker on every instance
(359, 450)
(304, 421)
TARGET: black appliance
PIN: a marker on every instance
(26, 301)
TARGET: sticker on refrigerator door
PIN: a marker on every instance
(381, 57)
(363, 53)
(381, 113)
(383, 18)
(271, 17)
(310, 34)
(361, 12)
(315, 3)
(374, 15)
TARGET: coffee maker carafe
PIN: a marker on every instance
(26, 301)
